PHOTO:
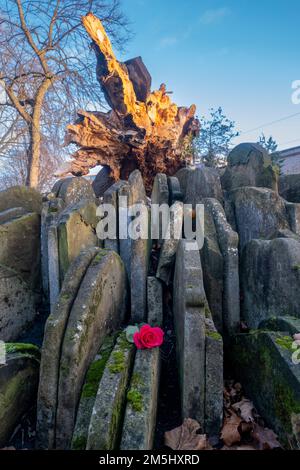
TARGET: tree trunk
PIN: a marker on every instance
(34, 150)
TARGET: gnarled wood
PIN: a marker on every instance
(148, 135)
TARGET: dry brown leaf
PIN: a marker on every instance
(185, 437)
(230, 433)
(245, 410)
(265, 438)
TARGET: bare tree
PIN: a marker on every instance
(46, 66)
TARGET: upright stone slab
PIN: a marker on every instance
(189, 317)
(259, 212)
(293, 216)
(88, 394)
(50, 211)
(135, 253)
(160, 196)
(154, 301)
(214, 380)
(289, 187)
(74, 190)
(53, 265)
(18, 386)
(17, 305)
(102, 182)
(160, 190)
(51, 351)
(10, 214)
(21, 196)
(111, 196)
(20, 247)
(107, 416)
(250, 165)
(169, 247)
(175, 193)
(228, 241)
(76, 230)
(213, 270)
(263, 362)
(98, 309)
(199, 183)
(270, 275)
(140, 416)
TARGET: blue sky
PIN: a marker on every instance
(242, 55)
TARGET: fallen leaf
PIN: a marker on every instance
(230, 433)
(185, 437)
(266, 438)
(245, 410)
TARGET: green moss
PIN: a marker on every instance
(285, 342)
(214, 335)
(79, 443)
(22, 348)
(136, 380)
(118, 362)
(296, 267)
(134, 397)
(285, 404)
(94, 375)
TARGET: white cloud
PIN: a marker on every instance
(168, 41)
(214, 16)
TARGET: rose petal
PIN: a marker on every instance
(137, 340)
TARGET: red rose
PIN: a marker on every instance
(148, 337)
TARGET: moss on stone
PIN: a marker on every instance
(25, 349)
(79, 443)
(94, 376)
(118, 362)
(214, 335)
(135, 399)
(285, 342)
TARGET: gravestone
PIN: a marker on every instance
(106, 420)
(141, 408)
(199, 183)
(21, 196)
(98, 309)
(18, 386)
(55, 329)
(250, 165)
(270, 276)
(17, 305)
(154, 301)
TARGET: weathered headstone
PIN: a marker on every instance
(105, 425)
(51, 351)
(20, 247)
(199, 183)
(88, 394)
(228, 241)
(76, 231)
(154, 301)
(160, 190)
(98, 309)
(21, 196)
(102, 181)
(270, 275)
(74, 190)
(250, 165)
(10, 214)
(18, 386)
(111, 196)
(214, 381)
(140, 416)
(263, 362)
(169, 247)
(189, 318)
(17, 305)
(175, 193)
(213, 267)
(259, 212)
(293, 216)
(289, 187)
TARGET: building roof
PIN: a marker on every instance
(292, 152)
